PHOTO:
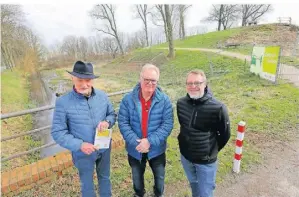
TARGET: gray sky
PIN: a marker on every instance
(54, 21)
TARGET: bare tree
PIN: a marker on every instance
(19, 43)
(215, 14)
(230, 14)
(69, 47)
(159, 19)
(142, 12)
(11, 20)
(92, 49)
(110, 46)
(182, 11)
(169, 31)
(82, 47)
(98, 44)
(224, 14)
(106, 12)
(253, 12)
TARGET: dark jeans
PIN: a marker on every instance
(157, 165)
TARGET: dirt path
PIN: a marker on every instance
(278, 175)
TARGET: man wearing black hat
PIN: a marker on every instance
(76, 117)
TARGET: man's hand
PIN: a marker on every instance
(103, 125)
(143, 146)
(87, 148)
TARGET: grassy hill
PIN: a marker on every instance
(260, 35)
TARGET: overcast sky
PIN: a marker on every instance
(54, 21)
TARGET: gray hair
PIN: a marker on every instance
(149, 67)
(197, 72)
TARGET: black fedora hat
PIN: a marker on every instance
(83, 70)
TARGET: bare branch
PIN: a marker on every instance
(106, 32)
(254, 11)
(106, 13)
(142, 13)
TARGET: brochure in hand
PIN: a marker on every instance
(102, 138)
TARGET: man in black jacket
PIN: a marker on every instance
(204, 131)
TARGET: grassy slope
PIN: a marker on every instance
(208, 40)
(15, 97)
(270, 112)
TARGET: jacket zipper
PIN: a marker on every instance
(90, 112)
(136, 106)
(191, 119)
(194, 120)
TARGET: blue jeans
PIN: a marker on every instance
(201, 177)
(86, 166)
(157, 165)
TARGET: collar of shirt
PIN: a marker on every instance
(92, 92)
(142, 99)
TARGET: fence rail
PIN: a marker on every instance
(25, 112)
(30, 111)
(25, 133)
(27, 152)
(48, 107)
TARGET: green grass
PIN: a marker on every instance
(243, 49)
(208, 40)
(292, 61)
(15, 96)
(269, 110)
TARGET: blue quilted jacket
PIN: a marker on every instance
(160, 122)
(76, 118)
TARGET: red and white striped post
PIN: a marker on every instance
(239, 143)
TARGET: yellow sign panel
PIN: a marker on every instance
(264, 62)
(270, 60)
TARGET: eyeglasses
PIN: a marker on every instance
(196, 83)
(148, 81)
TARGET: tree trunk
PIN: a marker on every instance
(119, 45)
(169, 31)
(183, 27)
(165, 22)
(244, 21)
(146, 32)
(220, 17)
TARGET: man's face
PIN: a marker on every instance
(82, 86)
(195, 86)
(149, 80)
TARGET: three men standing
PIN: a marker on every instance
(145, 121)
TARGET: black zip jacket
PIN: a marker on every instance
(205, 128)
